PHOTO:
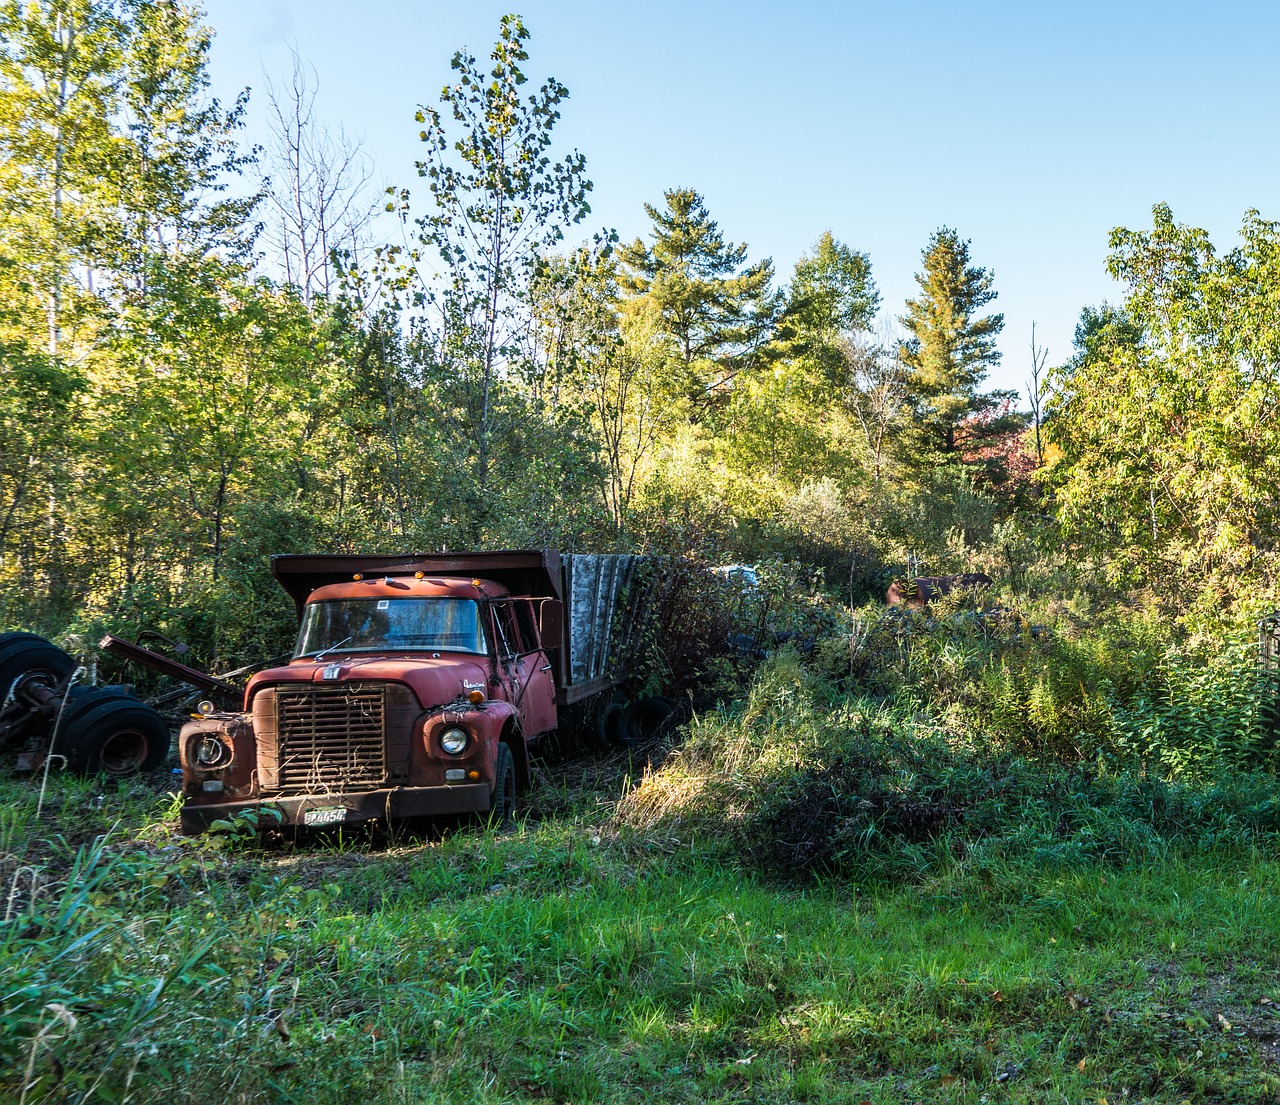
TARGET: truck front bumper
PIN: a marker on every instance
(319, 810)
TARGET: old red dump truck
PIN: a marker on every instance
(417, 686)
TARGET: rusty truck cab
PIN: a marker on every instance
(408, 681)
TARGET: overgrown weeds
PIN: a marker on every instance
(1119, 692)
(801, 778)
(570, 962)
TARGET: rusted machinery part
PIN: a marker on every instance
(918, 593)
(96, 729)
(219, 688)
(170, 698)
(25, 654)
(33, 677)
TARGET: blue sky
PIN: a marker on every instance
(1032, 129)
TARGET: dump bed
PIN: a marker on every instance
(605, 610)
(601, 595)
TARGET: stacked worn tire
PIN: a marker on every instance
(105, 730)
(26, 656)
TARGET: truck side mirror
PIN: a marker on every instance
(550, 623)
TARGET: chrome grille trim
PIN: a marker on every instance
(331, 736)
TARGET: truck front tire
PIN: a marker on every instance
(503, 810)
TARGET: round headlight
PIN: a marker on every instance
(211, 751)
(453, 741)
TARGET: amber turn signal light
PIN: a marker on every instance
(476, 697)
(357, 577)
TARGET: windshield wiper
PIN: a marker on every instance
(330, 648)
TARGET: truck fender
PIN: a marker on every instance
(502, 726)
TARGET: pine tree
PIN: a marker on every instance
(717, 312)
(947, 355)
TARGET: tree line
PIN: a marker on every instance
(208, 356)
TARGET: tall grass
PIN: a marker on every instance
(1119, 691)
(569, 961)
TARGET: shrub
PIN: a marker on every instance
(798, 779)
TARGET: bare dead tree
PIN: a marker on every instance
(876, 389)
(316, 185)
(1037, 388)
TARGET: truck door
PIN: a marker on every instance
(523, 665)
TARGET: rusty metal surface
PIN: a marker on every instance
(168, 666)
(601, 607)
(534, 572)
(318, 737)
(169, 698)
(370, 805)
(576, 692)
(924, 589)
(331, 736)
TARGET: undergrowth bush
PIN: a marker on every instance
(1120, 692)
(801, 778)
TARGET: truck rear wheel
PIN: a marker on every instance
(608, 724)
(112, 733)
(645, 718)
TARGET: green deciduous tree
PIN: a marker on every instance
(500, 203)
(36, 397)
(615, 367)
(948, 353)
(116, 276)
(202, 410)
(1168, 417)
(832, 298)
(178, 150)
(60, 68)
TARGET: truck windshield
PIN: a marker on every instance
(390, 625)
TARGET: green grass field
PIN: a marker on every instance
(572, 961)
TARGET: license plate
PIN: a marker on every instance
(325, 815)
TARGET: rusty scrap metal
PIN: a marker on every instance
(219, 688)
(924, 589)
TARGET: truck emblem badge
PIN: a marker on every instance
(331, 671)
(472, 686)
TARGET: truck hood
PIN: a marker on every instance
(434, 681)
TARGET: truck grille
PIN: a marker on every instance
(331, 737)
